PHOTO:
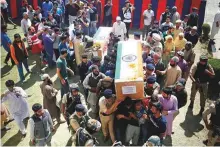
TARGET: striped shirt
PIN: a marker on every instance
(35, 43)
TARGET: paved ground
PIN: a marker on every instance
(188, 126)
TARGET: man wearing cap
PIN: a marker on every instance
(152, 87)
(137, 35)
(200, 76)
(180, 92)
(178, 29)
(107, 108)
(182, 64)
(70, 100)
(148, 21)
(78, 119)
(90, 83)
(25, 24)
(84, 67)
(18, 106)
(173, 72)
(216, 24)
(193, 17)
(103, 84)
(164, 15)
(175, 15)
(19, 54)
(119, 28)
(165, 26)
(150, 68)
(170, 107)
(192, 36)
(157, 123)
(179, 42)
(189, 56)
(62, 72)
(41, 126)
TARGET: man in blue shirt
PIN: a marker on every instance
(47, 7)
(6, 42)
(93, 20)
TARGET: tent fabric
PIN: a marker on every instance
(132, 2)
(102, 8)
(201, 15)
(158, 6)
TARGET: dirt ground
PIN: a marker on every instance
(188, 125)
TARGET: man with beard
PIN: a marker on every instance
(152, 87)
(90, 83)
(175, 15)
(170, 108)
(36, 45)
(200, 75)
(41, 126)
(119, 29)
(192, 36)
(18, 106)
(148, 20)
(20, 55)
(70, 100)
(146, 50)
(173, 72)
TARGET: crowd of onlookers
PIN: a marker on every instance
(59, 35)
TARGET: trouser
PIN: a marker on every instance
(132, 133)
(50, 61)
(143, 133)
(93, 106)
(20, 69)
(70, 64)
(86, 31)
(120, 133)
(145, 32)
(37, 58)
(203, 88)
(71, 19)
(92, 28)
(188, 71)
(64, 88)
(57, 53)
(20, 124)
(212, 139)
(44, 142)
(8, 56)
(108, 21)
(107, 126)
(127, 24)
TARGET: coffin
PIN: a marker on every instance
(129, 70)
(102, 37)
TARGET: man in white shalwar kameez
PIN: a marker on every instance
(216, 24)
(119, 28)
(18, 106)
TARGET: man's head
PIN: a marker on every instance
(45, 77)
(181, 36)
(167, 9)
(17, 37)
(109, 2)
(91, 4)
(137, 35)
(128, 102)
(188, 45)
(63, 52)
(108, 96)
(138, 105)
(174, 8)
(74, 89)
(63, 38)
(180, 55)
(179, 86)
(166, 93)
(194, 10)
(168, 19)
(93, 126)
(84, 58)
(156, 108)
(96, 60)
(150, 68)
(149, 6)
(4, 28)
(146, 47)
(127, 3)
(38, 110)
(25, 15)
(47, 1)
(150, 81)
(118, 19)
(156, 57)
(203, 60)
(174, 61)
(95, 70)
(80, 110)
(178, 23)
(194, 30)
(31, 30)
(10, 85)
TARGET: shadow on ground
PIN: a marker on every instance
(191, 124)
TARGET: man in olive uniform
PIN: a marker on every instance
(200, 75)
(90, 83)
(214, 125)
(70, 100)
(193, 18)
(103, 84)
(78, 119)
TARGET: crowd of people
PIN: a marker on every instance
(58, 35)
